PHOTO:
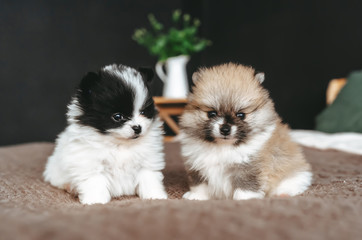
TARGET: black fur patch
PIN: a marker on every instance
(207, 132)
(102, 94)
(147, 74)
(148, 109)
(243, 131)
(149, 106)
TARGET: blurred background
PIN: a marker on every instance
(47, 46)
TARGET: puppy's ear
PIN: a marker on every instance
(196, 76)
(260, 77)
(147, 74)
(88, 82)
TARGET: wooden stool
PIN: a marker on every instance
(168, 107)
(334, 87)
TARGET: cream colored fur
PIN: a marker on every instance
(232, 88)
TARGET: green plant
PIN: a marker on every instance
(180, 39)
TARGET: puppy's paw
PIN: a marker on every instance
(294, 185)
(150, 185)
(195, 196)
(159, 194)
(94, 190)
(246, 194)
(90, 198)
(199, 192)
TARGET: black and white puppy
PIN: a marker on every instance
(112, 145)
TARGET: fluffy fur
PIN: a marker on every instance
(112, 145)
(233, 141)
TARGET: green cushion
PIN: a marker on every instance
(345, 113)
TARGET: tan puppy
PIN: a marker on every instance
(234, 143)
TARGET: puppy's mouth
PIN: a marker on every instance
(135, 136)
(225, 139)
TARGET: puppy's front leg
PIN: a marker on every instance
(199, 192)
(245, 182)
(94, 190)
(198, 187)
(240, 194)
(150, 185)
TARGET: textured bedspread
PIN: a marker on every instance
(32, 209)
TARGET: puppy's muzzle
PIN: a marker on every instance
(225, 129)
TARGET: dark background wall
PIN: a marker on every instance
(47, 46)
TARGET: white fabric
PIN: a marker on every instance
(347, 142)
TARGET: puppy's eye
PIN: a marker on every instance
(240, 115)
(212, 114)
(148, 111)
(117, 117)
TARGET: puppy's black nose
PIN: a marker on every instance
(137, 129)
(225, 129)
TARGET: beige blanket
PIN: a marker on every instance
(32, 209)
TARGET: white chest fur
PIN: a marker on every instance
(120, 166)
(212, 160)
(81, 155)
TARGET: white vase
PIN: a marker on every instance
(175, 78)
